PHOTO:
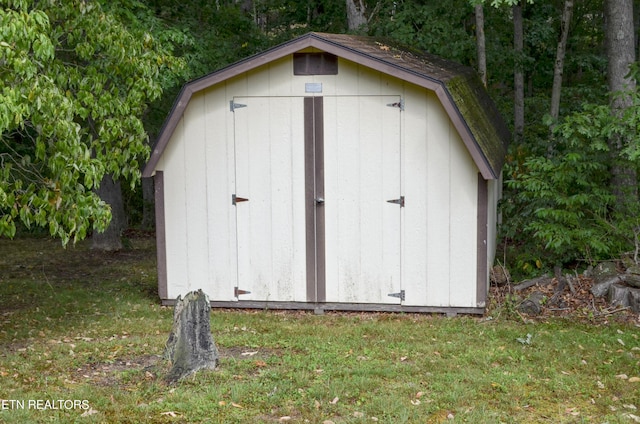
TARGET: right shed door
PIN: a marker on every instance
(363, 199)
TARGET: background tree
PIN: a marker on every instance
(481, 45)
(620, 47)
(558, 69)
(75, 81)
(518, 74)
(356, 14)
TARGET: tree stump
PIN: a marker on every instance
(190, 346)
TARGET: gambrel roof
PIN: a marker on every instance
(471, 110)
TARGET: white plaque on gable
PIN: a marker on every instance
(313, 87)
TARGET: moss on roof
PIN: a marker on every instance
(482, 118)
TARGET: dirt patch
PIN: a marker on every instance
(110, 373)
(151, 367)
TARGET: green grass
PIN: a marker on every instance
(78, 325)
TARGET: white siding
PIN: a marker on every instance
(173, 165)
(362, 172)
(196, 195)
(220, 182)
(463, 222)
(270, 173)
(440, 219)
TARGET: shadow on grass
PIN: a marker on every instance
(46, 286)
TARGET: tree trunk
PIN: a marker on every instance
(518, 74)
(559, 64)
(148, 204)
(111, 239)
(620, 44)
(356, 15)
(481, 44)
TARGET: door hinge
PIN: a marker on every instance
(237, 292)
(399, 104)
(235, 199)
(399, 201)
(399, 295)
(233, 105)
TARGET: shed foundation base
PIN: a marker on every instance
(320, 308)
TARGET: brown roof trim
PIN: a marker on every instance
(465, 133)
(366, 52)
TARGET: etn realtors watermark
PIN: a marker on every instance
(43, 404)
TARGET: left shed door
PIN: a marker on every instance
(270, 223)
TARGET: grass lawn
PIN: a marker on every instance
(82, 336)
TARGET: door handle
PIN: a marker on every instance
(319, 200)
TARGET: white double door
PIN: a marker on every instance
(318, 198)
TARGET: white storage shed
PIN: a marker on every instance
(332, 172)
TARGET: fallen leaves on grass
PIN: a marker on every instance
(89, 412)
(632, 417)
(235, 405)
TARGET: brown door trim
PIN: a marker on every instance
(161, 238)
(314, 198)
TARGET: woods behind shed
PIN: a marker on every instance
(330, 172)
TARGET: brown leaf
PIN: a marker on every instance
(170, 414)
(89, 412)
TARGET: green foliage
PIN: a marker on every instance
(442, 28)
(561, 203)
(75, 79)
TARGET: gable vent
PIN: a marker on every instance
(315, 64)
